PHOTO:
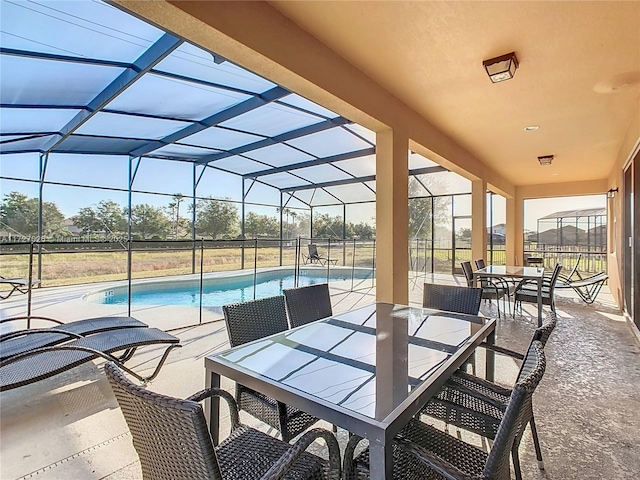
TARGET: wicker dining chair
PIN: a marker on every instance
(452, 298)
(249, 321)
(490, 290)
(527, 291)
(172, 440)
(422, 451)
(477, 405)
(308, 304)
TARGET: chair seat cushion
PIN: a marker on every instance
(248, 454)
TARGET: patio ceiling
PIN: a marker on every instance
(87, 78)
(578, 79)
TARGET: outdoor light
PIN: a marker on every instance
(612, 192)
(545, 160)
(218, 59)
(501, 68)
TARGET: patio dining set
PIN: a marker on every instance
(387, 374)
(381, 372)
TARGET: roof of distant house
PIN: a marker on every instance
(585, 212)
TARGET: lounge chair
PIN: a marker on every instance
(315, 257)
(21, 341)
(22, 285)
(588, 288)
(40, 363)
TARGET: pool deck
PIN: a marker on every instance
(70, 426)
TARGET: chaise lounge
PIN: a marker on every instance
(21, 341)
(22, 285)
(37, 364)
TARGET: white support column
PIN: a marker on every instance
(392, 217)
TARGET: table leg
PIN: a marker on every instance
(212, 407)
(539, 302)
(380, 461)
(490, 365)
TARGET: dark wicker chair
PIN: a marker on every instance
(172, 440)
(490, 290)
(308, 304)
(527, 291)
(422, 451)
(249, 321)
(452, 298)
(477, 405)
(508, 285)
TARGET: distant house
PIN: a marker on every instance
(585, 227)
(70, 226)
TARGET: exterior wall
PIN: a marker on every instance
(615, 225)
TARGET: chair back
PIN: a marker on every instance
(511, 426)
(480, 263)
(170, 435)
(452, 298)
(313, 251)
(308, 304)
(255, 319)
(554, 277)
(541, 334)
(468, 272)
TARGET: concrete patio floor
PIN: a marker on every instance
(587, 406)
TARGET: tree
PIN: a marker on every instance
(147, 221)
(326, 226)
(256, 225)
(363, 231)
(87, 220)
(216, 218)
(20, 214)
(420, 212)
(107, 217)
(111, 216)
(174, 206)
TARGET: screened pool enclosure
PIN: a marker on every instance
(127, 152)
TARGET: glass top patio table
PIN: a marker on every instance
(368, 370)
(515, 271)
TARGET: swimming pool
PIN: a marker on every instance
(222, 290)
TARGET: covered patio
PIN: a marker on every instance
(279, 109)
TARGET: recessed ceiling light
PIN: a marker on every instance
(531, 128)
(545, 160)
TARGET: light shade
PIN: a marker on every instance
(612, 192)
(545, 160)
(501, 68)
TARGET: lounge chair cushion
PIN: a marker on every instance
(13, 344)
(46, 362)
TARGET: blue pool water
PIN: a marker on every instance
(216, 293)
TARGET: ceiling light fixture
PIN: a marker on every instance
(612, 192)
(545, 160)
(531, 128)
(501, 68)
